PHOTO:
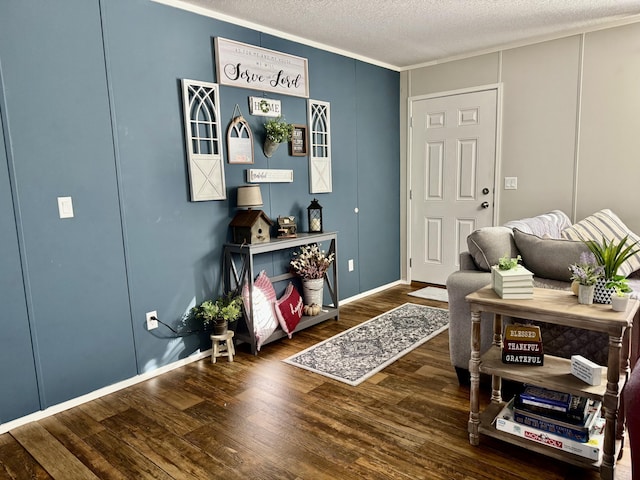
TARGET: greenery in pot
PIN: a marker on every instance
(611, 255)
(278, 130)
(620, 286)
(225, 309)
(507, 263)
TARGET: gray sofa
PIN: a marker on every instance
(539, 241)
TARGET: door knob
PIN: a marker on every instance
(484, 204)
(485, 191)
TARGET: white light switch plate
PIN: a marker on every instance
(65, 207)
(510, 183)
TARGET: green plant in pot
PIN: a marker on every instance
(278, 131)
(220, 313)
(611, 256)
(620, 295)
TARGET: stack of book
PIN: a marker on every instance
(516, 283)
(522, 345)
(547, 431)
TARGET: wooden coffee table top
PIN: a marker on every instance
(555, 306)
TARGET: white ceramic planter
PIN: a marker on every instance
(619, 304)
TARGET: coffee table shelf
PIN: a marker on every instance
(487, 418)
(559, 307)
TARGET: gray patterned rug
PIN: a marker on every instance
(358, 353)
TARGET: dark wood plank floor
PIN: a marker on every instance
(259, 418)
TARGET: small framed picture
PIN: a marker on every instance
(298, 144)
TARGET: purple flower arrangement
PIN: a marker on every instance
(587, 270)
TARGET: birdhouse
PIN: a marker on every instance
(251, 226)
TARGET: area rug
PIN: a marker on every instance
(431, 293)
(358, 353)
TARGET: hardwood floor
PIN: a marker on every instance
(259, 418)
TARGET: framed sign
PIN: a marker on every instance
(264, 107)
(246, 66)
(257, 175)
(239, 141)
(298, 145)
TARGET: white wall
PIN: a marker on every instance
(570, 121)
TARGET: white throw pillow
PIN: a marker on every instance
(264, 298)
(605, 224)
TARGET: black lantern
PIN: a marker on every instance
(315, 217)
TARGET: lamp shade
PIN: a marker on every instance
(249, 196)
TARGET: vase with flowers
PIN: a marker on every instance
(586, 273)
(310, 264)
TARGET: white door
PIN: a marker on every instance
(453, 154)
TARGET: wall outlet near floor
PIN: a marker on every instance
(351, 267)
(151, 320)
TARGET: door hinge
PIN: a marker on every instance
(410, 122)
(410, 262)
(410, 194)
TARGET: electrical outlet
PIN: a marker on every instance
(351, 267)
(151, 322)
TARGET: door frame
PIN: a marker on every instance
(498, 87)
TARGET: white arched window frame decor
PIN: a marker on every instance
(239, 139)
(203, 141)
(320, 146)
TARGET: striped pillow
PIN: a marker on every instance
(264, 299)
(605, 224)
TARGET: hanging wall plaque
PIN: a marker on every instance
(264, 107)
(204, 145)
(239, 139)
(247, 66)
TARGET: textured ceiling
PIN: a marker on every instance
(404, 33)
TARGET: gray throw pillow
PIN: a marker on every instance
(488, 244)
(548, 257)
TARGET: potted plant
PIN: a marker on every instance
(610, 255)
(508, 263)
(620, 295)
(311, 263)
(221, 312)
(586, 274)
(278, 131)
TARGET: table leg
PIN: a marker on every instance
(496, 381)
(611, 405)
(625, 371)
(474, 370)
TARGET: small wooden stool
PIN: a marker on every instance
(222, 345)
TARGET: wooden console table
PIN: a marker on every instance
(562, 308)
(238, 268)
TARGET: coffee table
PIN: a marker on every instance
(562, 308)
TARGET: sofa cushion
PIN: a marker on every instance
(605, 224)
(547, 224)
(548, 257)
(488, 244)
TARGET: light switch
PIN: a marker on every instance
(65, 207)
(510, 183)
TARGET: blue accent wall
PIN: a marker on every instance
(91, 108)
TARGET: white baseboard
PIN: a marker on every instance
(74, 402)
(371, 292)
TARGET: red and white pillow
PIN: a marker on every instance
(289, 309)
(264, 298)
